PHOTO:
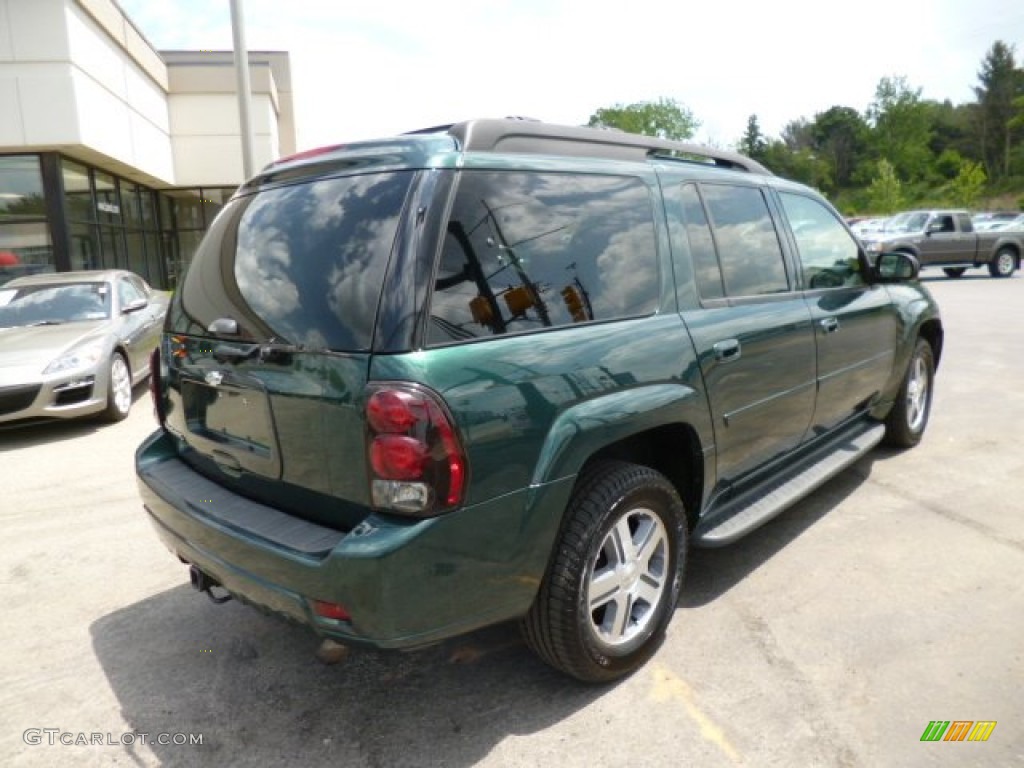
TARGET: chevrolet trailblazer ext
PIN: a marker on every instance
(510, 370)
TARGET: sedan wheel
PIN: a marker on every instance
(119, 389)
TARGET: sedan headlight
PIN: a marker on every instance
(82, 356)
(874, 247)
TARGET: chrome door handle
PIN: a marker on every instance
(829, 324)
(727, 350)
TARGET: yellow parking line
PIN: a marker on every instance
(669, 687)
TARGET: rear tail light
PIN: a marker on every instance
(417, 464)
(156, 385)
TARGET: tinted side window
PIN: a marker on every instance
(525, 251)
(748, 246)
(963, 222)
(702, 246)
(828, 253)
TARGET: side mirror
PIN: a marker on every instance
(896, 267)
(134, 306)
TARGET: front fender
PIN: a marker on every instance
(582, 430)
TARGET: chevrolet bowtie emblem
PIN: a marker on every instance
(213, 378)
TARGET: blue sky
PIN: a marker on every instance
(378, 67)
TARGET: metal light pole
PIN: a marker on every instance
(244, 89)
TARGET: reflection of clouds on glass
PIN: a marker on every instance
(546, 231)
(327, 207)
(261, 268)
(354, 273)
(628, 272)
(311, 258)
(748, 246)
(751, 259)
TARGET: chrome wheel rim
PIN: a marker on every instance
(917, 394)
(1004, 263)
(120, 384)
(628, 578)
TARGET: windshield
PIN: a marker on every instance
(906, 222)
(54, 304)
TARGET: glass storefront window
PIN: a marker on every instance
(130, 206)
(213, 200)
(155, 269)
(107, 203)
(112, 241)
(188, 244)
(84, 246)
(77, 194)
(147, 208)
(25, 245)
(136, 246)
(189, 209)
(21, 188)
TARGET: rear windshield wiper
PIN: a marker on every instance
(270, 352)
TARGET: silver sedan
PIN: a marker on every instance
(75, 343)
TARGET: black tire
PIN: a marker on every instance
(578, 634)
(119, 377)
(1003, 264)
(954, 271)
(908, 418)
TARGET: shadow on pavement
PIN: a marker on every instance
(252, 686)
(713, 572)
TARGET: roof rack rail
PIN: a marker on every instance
(511, 135)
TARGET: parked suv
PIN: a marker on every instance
(510, 370)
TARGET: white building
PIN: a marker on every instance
(113, 153)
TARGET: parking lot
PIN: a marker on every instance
(892, 597)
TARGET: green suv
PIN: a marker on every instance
(509, 370)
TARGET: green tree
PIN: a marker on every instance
(664, 118)
(800, 165)
(1000, 84)
(885, 193)
(753, 143)
(840, 136)
(901, 127)
(798, 134)
(966, 187)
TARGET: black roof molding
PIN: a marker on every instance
(527, 136)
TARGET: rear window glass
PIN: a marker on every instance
(302, 264)
(526, 251)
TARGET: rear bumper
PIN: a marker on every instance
(404, 582)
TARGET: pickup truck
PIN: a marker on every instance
(947, 239)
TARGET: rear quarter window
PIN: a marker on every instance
(527, 251)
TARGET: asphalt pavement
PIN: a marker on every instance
(833, 636)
